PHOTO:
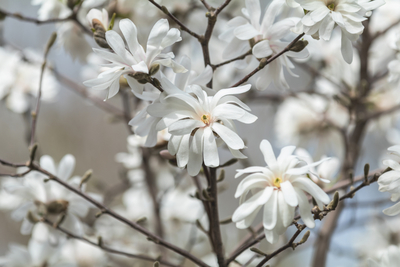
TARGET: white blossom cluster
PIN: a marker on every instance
(185, 107)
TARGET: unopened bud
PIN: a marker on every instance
(305, 237)
(166, 155)
(71, 3)
(154, 69)
(299, 46)
(165, 10)
(263, 63)
(99, 33)
(51, 41)
(111, 25)
(256, 250)
(57, 206)
(156, 264)
(366, 172)
(32, 218)
(141, 220)
(333, 204)
(85, 178)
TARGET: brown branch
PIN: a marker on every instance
(232, 60)
(289, 244)
(96, 101)
(72, 17)
(35, 113)
(104, 210)
(263, 64)
(218, 10)
(177, 21)
(214, 219)
(206, 5)
(105, 248)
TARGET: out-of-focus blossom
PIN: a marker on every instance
(36, 254)
(20, 81)
(50, 200)
(389, 258)
(323, 15)
(72, 38)
(310, 121)
(325, 171)
(390, 181)
(134, 60)
(279, 187)
(265, 40)
(197, 121)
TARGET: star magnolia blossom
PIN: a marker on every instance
(126, 62)
(389, 181)
(323, 15)
(145, 125)
(388, 258)
(279, 187)
(50, 199)
(266, 39)
(197, 122)
(99, 17)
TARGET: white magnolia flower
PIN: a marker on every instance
(279, 187)
(126, 62)
(265, 38)
(72, 38)
(36, 254)
(197, 122)
(52, 9)
(323, 15)
(50, 199)
(390, 181)
(145, 125)
(389, 258)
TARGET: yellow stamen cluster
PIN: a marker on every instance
(206, 119)
(277, 182)
(331, 6)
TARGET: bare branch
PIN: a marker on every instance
(105, 248)
(262, 65)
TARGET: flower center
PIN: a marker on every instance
(331, 6)
(277, 182)
(206, 119)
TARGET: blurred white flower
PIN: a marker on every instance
(72, 38)
(325, 171)
(36, 254)
(49, 199)
(323, 15)
(265, 39)
(309, 121)
(52, 9)
(279, 187)
(20, 81)
(394, 65)
(126, 62)
(389, 258)
(390, 181)
(197, 121)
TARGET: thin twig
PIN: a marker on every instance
(232, 60)
(104, 210)
(105, 248)
(35, 113)
(261, 66)
(177, 21)
(218, 10)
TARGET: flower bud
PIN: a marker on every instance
(154, 69)
(299, 46)
(57, 206)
